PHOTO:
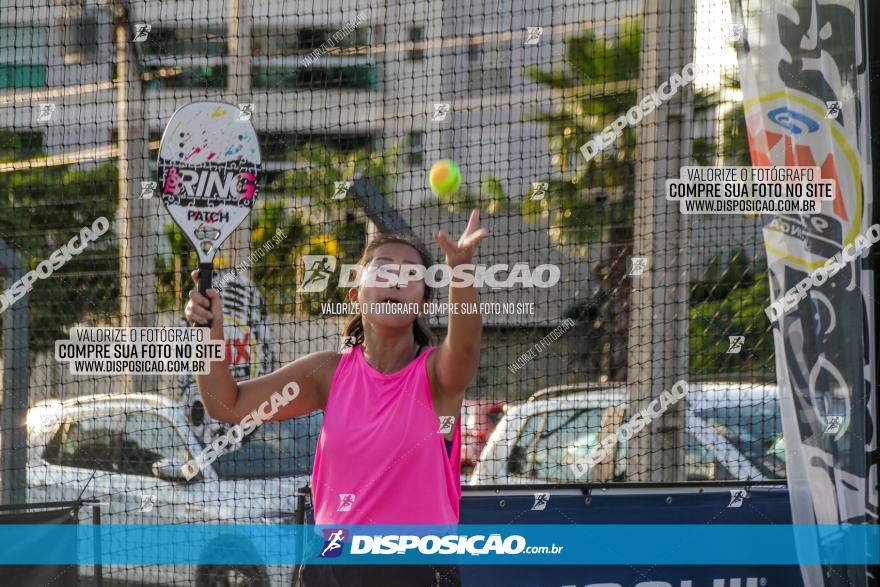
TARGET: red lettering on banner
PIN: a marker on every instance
(761, 144)
(241, 350)
(237, 350)
(829, 171)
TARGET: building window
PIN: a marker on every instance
(281, 76)
(473, 50)
(313, 59)
(415, 148)
(276, 42)
(185, 58)
(194, 42)
(489, 69)
(81, 30)
(309, 39)
(24, 55)
(417, 36)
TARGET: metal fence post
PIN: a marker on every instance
(299, 518)
(16, 379)
(658, 336)
(137, 233)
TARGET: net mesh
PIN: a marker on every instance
(348, 100)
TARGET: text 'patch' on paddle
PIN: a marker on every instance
(209, 173)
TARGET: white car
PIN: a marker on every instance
(733, 432)
(127, 451)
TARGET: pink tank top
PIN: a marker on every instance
(380, 458)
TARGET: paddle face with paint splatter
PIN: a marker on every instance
(209, 171)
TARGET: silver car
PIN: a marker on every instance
(127, 451)
(733, 432)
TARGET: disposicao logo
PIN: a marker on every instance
(319, 269)
(333, 540)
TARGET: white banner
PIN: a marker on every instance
(248, 345)
(803, 74)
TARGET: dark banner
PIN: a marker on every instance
(41, 575)
(803, 70)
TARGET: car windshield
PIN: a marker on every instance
(274, 449)
(553, 444)
(755, 430)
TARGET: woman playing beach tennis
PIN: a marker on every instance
(388, 452)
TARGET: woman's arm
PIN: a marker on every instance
(228, 401)
(459, 355)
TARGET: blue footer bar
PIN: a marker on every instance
(464, 544)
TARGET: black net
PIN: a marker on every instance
(352, 107)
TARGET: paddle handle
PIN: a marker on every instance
(206, 272)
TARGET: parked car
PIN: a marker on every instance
(127, 452)
(733, 432)
(478, 419)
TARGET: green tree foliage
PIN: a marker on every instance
(41, 209)
(275, 272)
(733, 147)
(491, 198)
(318, 168)
(597, 84)
(335, 225)
(592, 202)
(725, 302)
(273, 265)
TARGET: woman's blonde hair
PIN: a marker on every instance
(421, 331)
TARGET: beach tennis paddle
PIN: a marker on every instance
(209, 172)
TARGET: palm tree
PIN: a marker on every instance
(590, 203)
(733, 147)
(317, 168)
(338, 227)
(490, 198)
(598, 84)
(282, 237)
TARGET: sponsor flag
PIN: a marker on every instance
(804, 81)
(248, 347)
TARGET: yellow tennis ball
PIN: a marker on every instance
(445, 177)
